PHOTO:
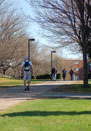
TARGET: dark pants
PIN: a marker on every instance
(71, 77)
(64, 76)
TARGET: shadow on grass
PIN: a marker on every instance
(45, 113)
(72, 88)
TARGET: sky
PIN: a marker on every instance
(33, 29)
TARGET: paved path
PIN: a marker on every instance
(15, 95)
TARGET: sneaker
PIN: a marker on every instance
(28, 88)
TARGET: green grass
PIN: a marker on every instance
(72, 88)
(10, 82)
(76, 87)
(48, 115)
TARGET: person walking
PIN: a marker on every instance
(64, 74)
(54, 74)
(71, 74)
(27, 72)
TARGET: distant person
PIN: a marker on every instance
(64, 74)
(27, 70)
(54, 74)
(71, 74)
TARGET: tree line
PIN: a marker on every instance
(14, 45)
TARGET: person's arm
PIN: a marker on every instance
(31, 71)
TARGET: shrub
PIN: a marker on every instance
(58, 76)
(47, 76)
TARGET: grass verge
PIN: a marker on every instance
(72, 88)
(10, 82)
(48, 115)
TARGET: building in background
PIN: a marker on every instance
(77, 67)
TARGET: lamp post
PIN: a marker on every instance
(29, 47)
(51, 61)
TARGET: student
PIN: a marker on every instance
(27, 70)
(71, 74)
(64, 74)
(54, 74)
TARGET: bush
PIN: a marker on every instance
(47, 76)
(58, 76)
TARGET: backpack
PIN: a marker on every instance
(26, 64)
(53, 70)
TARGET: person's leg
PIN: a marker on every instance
(28, 85)
(24, 78)
(55, 76)
(71, 77)
(52, 76)
(64, 77)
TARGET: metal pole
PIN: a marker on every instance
(28, 49)
(51, 62)
(51, 65)
(29, 44)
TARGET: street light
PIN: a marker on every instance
(29, 47)
(51, 61)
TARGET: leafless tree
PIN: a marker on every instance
(67, 20)
(10, 39)
(12, 36)
(14, 41)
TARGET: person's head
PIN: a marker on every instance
(26, 58)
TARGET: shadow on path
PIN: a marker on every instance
(18, 92)
(42, 91)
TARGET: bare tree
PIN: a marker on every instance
(67, 20)
(10, 39)
(12, 36)
(14, 40)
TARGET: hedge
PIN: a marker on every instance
(47, 76)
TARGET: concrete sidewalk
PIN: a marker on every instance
(15, 95)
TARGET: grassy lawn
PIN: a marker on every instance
(75, 87)
(9, 82)
(72, 88)
(48, 115)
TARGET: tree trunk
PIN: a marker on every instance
(4, 72)
(85, 68)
